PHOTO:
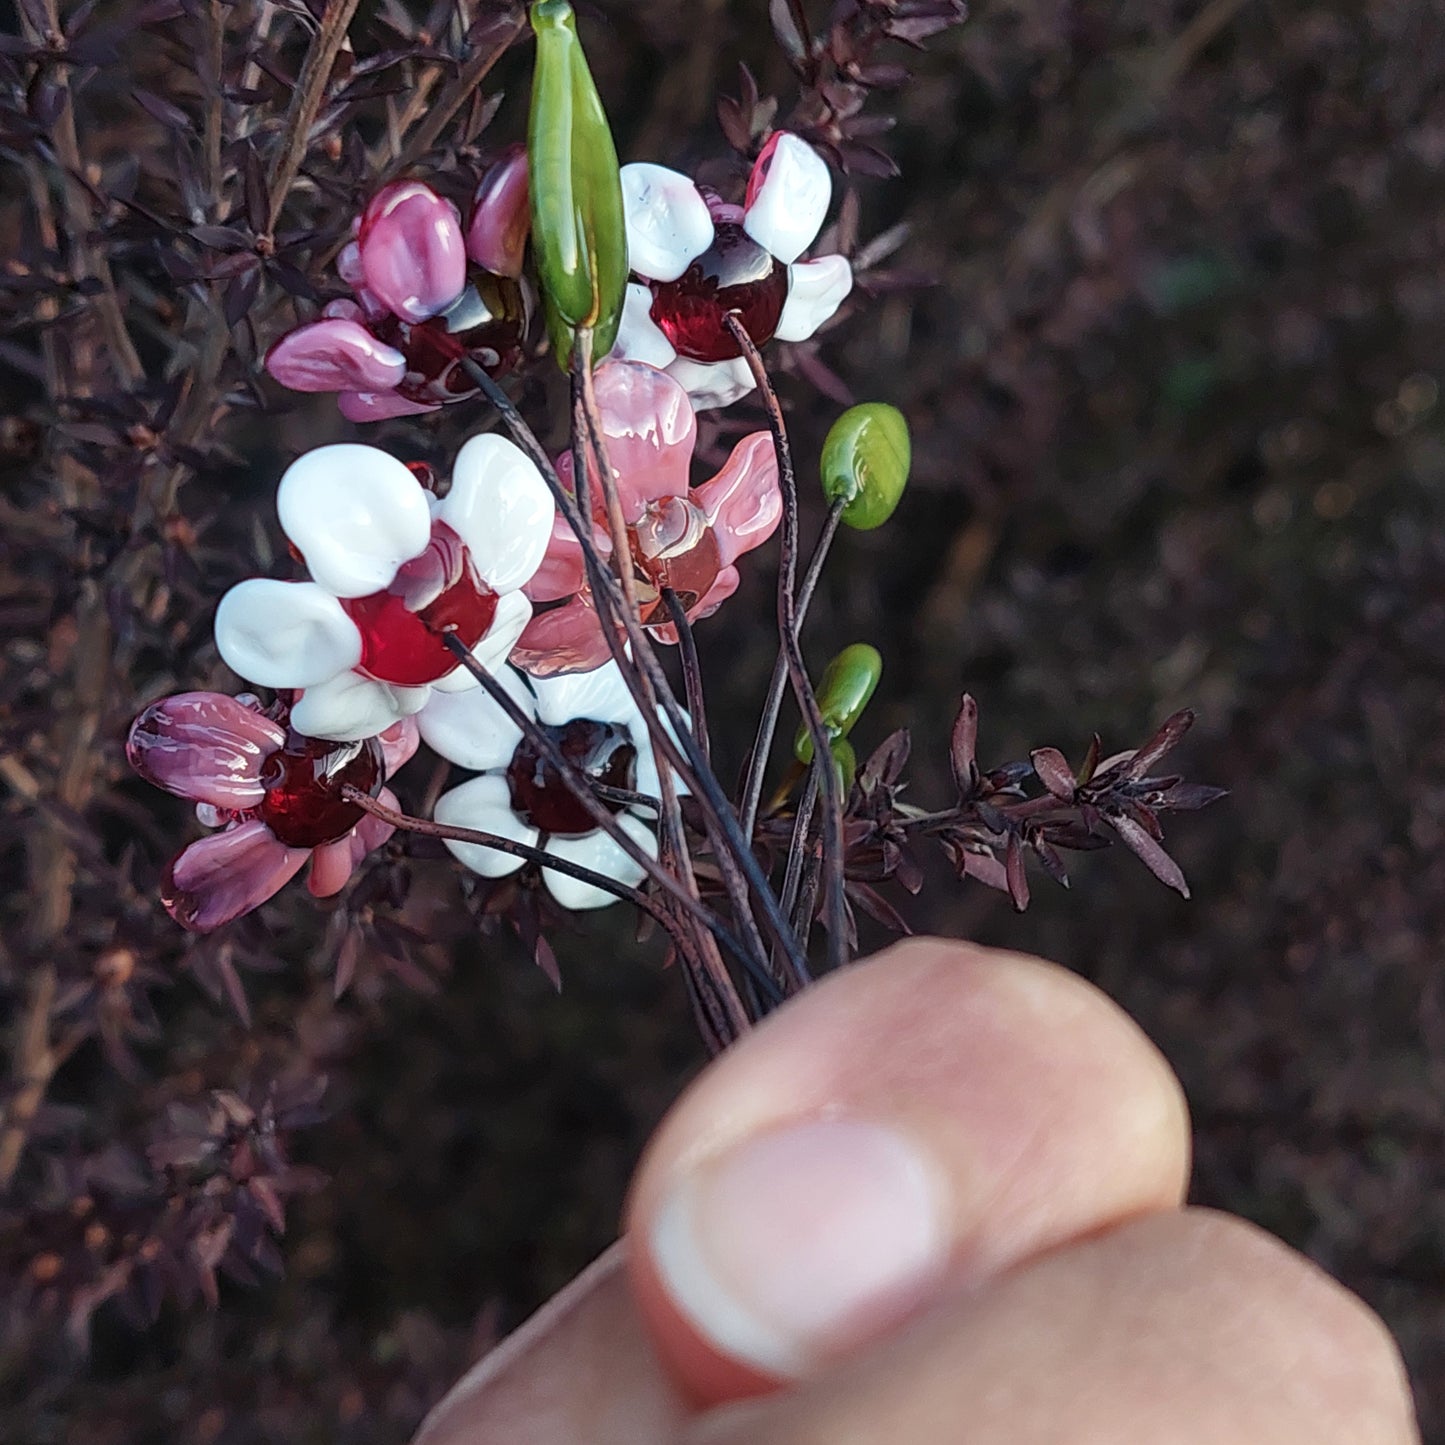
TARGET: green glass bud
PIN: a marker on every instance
(865, 462)
(578, 232)
(846, 761)
(848, 682)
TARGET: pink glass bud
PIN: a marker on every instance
(228, 874)
(501, 216)
(413, 253)
(206, 747)
(650, 430)
(335, 355)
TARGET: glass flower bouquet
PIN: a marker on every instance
(529, 616)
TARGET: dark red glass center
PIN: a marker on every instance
(487, 323)
(303, 805)
(540, 795)
(403, 628)
(734, 274)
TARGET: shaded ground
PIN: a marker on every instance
(1175, 402)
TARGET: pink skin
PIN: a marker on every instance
(212, 749)
(501, 216)
(650, 433)
(413, 252)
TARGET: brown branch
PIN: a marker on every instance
(306, 100)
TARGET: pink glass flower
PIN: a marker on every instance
(683, 537)
(428, 295)
(275, 794)
(397, 574)
(698, 259)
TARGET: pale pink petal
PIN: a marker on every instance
(228, 874)
(335, 355)
(723, 587)
(723, 213)
(788, 195)
(668, 226)
(501, 217)
(649, 429)
(331, 866)
(816, 289)
(370, 833)
(413, 253)
(744, 502)
(344, 309)
(204, 746)
(562, 573)
(380, 405)
(398, 743)
(348, 264)
(567, 639)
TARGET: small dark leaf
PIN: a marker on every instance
(1091, 760)
(986, 869)
(1017, 875)
(546, 960)
(1162, 742)
(162, 110)
(1150, 852)
(240, 295)
(887, 761)
(1055, 773)
(785, 27)
(1049, 859)
(963, 747)
(1189, 797)
(877, 907)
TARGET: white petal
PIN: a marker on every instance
(285, 634)
(789, 207)
(470, 729)
(350, 706)
(647, 779)
(501, 508)
(816, 289)
(486, 805)
(600, 695)
(668, 224)
(639, 337)
(712, 383)
(598, 852)
(355, 513)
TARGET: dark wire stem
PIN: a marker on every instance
(768, 722)
(835, 912)
(798, 848)
(600, 814)
(650, 685)
(691, 673)
(604, 588)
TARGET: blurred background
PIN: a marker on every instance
(1174, 390)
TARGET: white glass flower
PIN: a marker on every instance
(697, 259)
(518, 795)
(395, 569)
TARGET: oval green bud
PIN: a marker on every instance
(578, 232)
(846, 761)
(865, 463)
(848, 682)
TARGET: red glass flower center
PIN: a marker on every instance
(673, 546)
(734, 274)
(303, 805)
(487, 323)
(540, 795)
(403, 627)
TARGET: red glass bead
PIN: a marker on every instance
(673, 546)
(734, 274)
(540, 795)
(303, 805)
(487, 322)
(404, 626)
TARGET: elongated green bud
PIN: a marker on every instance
(578, 233)
(865, 462)
(848, 682)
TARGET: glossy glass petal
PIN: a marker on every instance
(816, 289)
(413, 253)
(788, 195)
(204, 746)
(227, 874)
(485, 804)
(335, 355)
(355, 514)
(598, 852)
(500, 507)
(348, 707)
(285, 634)
(743, 503)
(470, 729)
(501, 216)
(668, 225)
